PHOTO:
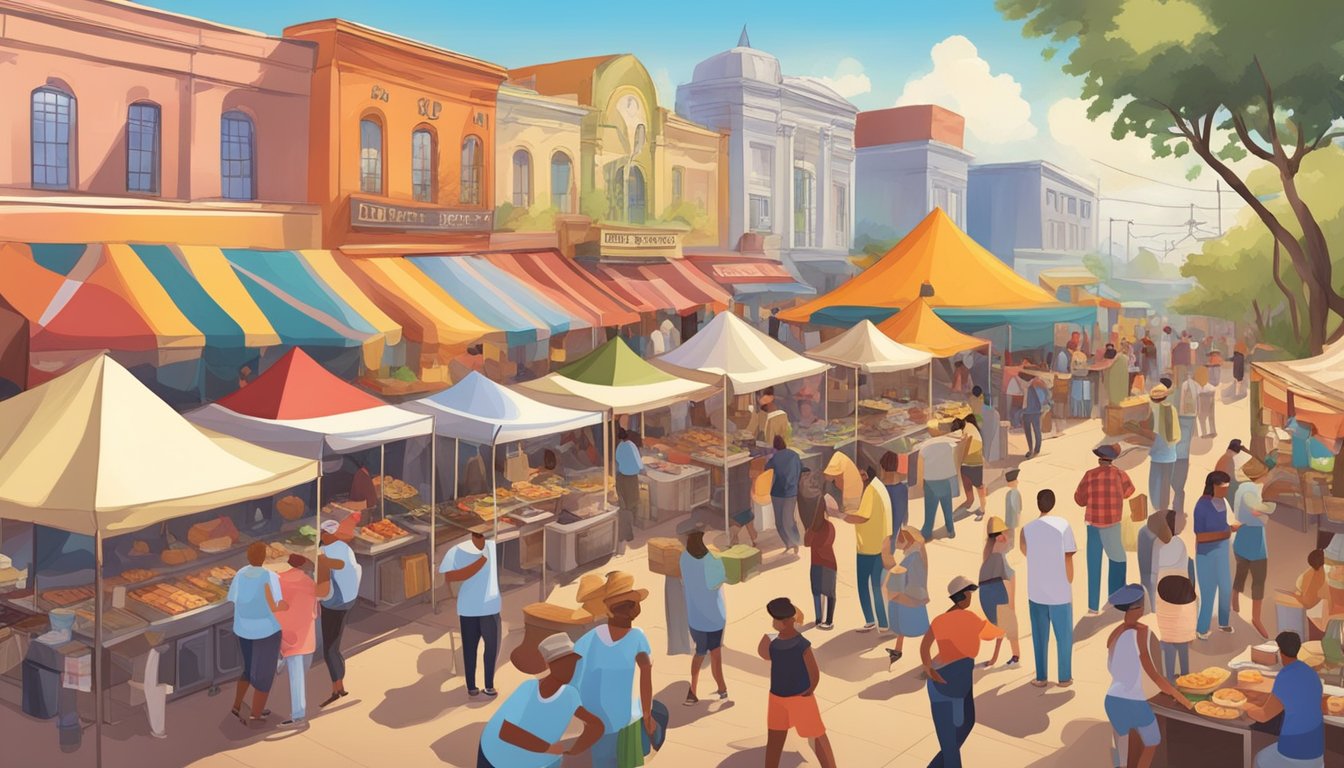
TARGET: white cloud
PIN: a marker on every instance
(849, 79)
(961, 81)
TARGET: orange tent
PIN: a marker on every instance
(962, 273)
(918, 327)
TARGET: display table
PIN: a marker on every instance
(677, 494)
(394, 572)
(572, 545)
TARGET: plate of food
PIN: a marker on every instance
(1205, 681)
(1332, 704)
(1209, 709)
(1230, 698)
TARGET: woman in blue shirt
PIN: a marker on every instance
(256, 598)
(1213, 562)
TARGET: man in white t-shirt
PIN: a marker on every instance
(1049, 546)
(474, 564)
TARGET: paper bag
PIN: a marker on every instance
(1138, 507)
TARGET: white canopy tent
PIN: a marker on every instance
(483, 412)
(94, 452)
(746, 359)
(867, 350)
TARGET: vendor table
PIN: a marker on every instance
(677, 494)
(386, 581)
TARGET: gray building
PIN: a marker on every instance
(790, 158)
(909, 160)
(1032, 205)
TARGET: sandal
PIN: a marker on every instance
(893, 656)
(238, 713)
(331, 698)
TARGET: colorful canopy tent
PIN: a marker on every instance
(484, 412)
(1311, 389)
(498, 298)
(94, 452)
(917, 326)
(973, 290)
(727, 346)
(865, 348)
(296, 406)
(614, 378)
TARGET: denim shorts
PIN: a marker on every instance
(1131, 715)
(707, 641)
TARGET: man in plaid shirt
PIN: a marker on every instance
(1102, 495)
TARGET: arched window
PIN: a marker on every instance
(562, 172)
(473, 161)
(677, 173)
(237, 157)
(635, 196)
(142, 148)
(371, 156)
(424, 171)
(53, 137)
(522, 179)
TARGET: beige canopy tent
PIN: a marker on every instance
(94, 452)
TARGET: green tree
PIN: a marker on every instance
(1223, 78)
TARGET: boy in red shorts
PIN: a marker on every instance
(793, 681)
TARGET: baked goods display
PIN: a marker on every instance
(1229, 697)
(1250, 677)
(290, 508)
(137, 575)
(67, 597)
(172, 599)
(216, 545)
(140, 548)
(220, 527)
(1205, 681)
(394, 489)
(177, 555)
(526, 491)
(381, 531)
(1209, 709)
(1333, 705)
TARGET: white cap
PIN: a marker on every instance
(555, 646)
(330, 526)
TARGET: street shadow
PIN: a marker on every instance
(755, 757)
(1088, 626)
(898, 685)
(424, 700)
(840, 656)
(460, 746)
(1084, 742)
(1021, 711)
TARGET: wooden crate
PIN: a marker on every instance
(415, 570)
(665, 556)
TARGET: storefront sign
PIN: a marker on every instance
(633, 243)
(752, 273)
(428, 108)
(370, 214)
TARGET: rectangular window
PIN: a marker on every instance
(1086, 209)
(422, 166)
(804, 208)
(142, 149)
(762, 165)
(237, 155)
(760, 213)
(954, 206)
(1073, 205)
(677, 181)
(53, 118)
(841, 225)
(940, 198)
(1050, 200)
(370, 157)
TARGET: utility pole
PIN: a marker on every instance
(1218, 187)
(1110, 247)
(1129, 257)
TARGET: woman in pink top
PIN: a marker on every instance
(297, 636)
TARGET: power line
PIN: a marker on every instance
(1155, 181)
(1158, 205)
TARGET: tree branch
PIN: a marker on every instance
(1287, 294)
(1269, 108)
(1244, 134)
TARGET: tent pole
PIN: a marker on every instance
(825, 395)
(606, 457)
(433, 504)
(856, 415)
(727, 528)
(494, 491)
(382, 472)
(317, 511)
(457, 464)
(930, 409)
(97, 665)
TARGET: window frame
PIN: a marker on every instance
(636, 173)
(678, 184)
(804, 206)
(71, 143)
(471, 177)
(565, 202)
(376, 120)
(424, 190)
(522, 198)
(753, 221)
(841, 225)
(241, 117)
(155, 152)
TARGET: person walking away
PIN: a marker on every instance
(298, 639)
(257, 598)
(872, 531)
(1080, 386)
(794, 675)
(1213, 560)
(1035, 401)
(1012, 504)
(1239, 370)
(475, 565)
(1296, 695)
(1115, 377)
(1182, 358)
(1249, 546)
(820, 541)
(1169, 552)
(950, 684)
(908, 591)
(1165, 427)
(702, 578)
(1049, 546)
(997, 589)
(344, 572)
(898, 491)
(1128, 661)
(629, 465)
(971, 459)
(528, 729)
(611, 653)
(788, 467)
(772, 325)
(1101, 494)
(1187, 408)
(1208, 401)
(1176, 609)
(1143, 551)
(938, 460)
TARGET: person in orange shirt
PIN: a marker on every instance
(298, 640)
(958, 633)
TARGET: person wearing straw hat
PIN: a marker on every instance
(1249, 546)
(950, 684)
(1102, 493)
(1133, 724)
(998, 587)
(1165, 427)
(605, 678)
(528, 729)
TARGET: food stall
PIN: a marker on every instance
(747, 361)
(615, 380)
(120, 491)
(298, 407)
(480, 412)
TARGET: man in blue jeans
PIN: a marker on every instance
(1213, 558)
(1034, 403)
(938, 461)
(1049, 546)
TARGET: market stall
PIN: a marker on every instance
(748, 361)
(481, 412)
(615, 380)
(109, 478)
(299, 408)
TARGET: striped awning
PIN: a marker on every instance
(567, 284)
(498, 298)
(142, 298)
(429, 315)
(674, 286)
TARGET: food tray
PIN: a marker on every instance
(1207, 689)
(1332, 690)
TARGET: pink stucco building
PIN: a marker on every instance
(129, 123)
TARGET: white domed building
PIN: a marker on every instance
(790, 158)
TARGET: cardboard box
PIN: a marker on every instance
(739, 562)
(665, 556)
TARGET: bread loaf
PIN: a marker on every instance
(177, 556)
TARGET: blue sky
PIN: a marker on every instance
(958, 53)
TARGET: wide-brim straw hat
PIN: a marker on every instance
(620, 588)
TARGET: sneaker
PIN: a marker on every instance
(1012, 662)
(868, 627)
(491, 692)
(1202, 635)
(723, 695)
(473, 691)
(826, 626)
(1225, 629)
(158, 735)
(691, 700)
(294, 723)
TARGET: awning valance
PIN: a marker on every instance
(665, 286)
(567, 284)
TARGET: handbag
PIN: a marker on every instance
(1131, 524)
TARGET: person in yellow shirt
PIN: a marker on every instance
(872, 534)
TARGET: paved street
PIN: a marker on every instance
(399, 673)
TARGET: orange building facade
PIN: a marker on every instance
(401, 150)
